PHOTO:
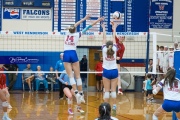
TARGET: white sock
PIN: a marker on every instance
(155, 117)
(5, 114)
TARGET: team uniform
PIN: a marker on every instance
(3, 88)
(70, 43)
(171, 96)
(110, 70)
(171, 59)
(2, 81)
(160, 57)
(165, 62)
(120, 49)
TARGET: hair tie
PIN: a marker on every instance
(104, 110)
(110, 46)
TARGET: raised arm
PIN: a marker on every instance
(95, 22)
(112, 23)
(82, 20)
(104, 33)
(114, 32)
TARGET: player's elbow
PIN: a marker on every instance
(155, 91)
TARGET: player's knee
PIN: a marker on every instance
(7, 95)
(113, 94)
(72, 81)
(5, 104)
(79, 81)
(106, 95)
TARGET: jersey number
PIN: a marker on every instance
(71, 38)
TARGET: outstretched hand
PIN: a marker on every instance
(87, 16)
(101, 18)
(102, 25)
(115, 25)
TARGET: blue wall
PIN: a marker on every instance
(50, 59)
(177, 63)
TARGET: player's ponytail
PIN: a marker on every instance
(104, 111)
(72, 29)
(170, 77)
(110, 51)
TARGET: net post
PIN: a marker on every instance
(154, 52)
(147, 51)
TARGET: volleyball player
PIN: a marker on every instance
(110, 70)
(119, 56)
(3, 95)
(5, 88)
(171, 92)
(68, 91)
(70, 56)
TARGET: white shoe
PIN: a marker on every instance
(5, 118)
(78, 98)
(82, 99)
(9, 107)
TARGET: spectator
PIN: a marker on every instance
(39, 77)
(51, 77)
(171, 57)
(12, 76)
(99, 81)
(83, 67)
(28, 77)
(165, 59)
(105, 112)
(60, 67)
(176, 46)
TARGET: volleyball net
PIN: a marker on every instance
(43, 49)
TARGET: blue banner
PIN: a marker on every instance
(22, 60)
(0, 15)
(11, 13)
(161, 16)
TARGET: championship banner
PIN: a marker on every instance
(161, 16)
(36, 14)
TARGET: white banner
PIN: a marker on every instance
(36, 14)
(64, 33)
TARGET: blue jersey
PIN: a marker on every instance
(148, 85)
(64, 78)
(59, 66)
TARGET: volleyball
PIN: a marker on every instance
(116, 15)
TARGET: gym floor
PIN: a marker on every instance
(42, 106)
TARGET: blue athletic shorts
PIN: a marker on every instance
(70, 56)
(169, 106)
(110, 74)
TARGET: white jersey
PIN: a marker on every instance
(165, 59)
(71, 40)
(171, 59)
(112, 118)
(109, 63)
(171, 94)
(160, 57)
